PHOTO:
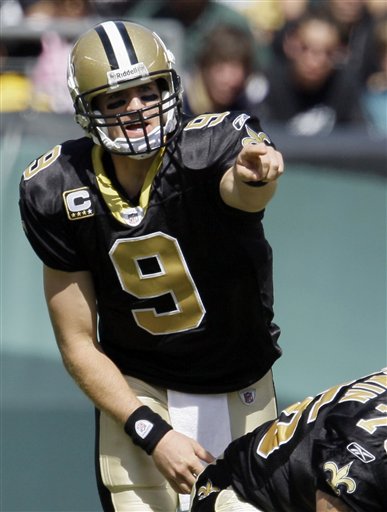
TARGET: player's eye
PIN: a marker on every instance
(115, 103)
(145, 97)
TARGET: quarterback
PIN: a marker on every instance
(327, 453)
(157, 272)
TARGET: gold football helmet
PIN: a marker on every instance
(116, 55)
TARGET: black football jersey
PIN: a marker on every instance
(183, 282)
(335, 442)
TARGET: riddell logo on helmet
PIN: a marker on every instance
(135, 71)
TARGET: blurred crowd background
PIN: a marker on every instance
(311, 65)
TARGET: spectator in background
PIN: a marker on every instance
(197, 17)
(40, 82)
(52, 8)
(270, 20)
(267, 19)
(356, 26)
(15, 87)
(15, 84)
(376, 8)
(110, 8)
(224, 67)
(312, 92)
(48, 75)
(375, 94)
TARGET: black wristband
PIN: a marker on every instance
(256, 183)
(146, 428)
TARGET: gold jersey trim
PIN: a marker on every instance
(119, 206)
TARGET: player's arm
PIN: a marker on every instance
(71, 303)
(327, 503)
(256, 164)
(72, 307)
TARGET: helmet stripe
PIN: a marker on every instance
(107, 46)
(127, 42)
(117, 44)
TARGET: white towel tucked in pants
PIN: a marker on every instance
(204, 418)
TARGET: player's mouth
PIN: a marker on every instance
(137, 129)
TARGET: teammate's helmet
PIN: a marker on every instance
(116, 55)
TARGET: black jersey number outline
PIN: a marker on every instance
(169, 275)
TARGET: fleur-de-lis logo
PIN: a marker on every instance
(255, 138)
(339, 476)
(205, 490)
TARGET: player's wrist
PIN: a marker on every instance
(146, 428)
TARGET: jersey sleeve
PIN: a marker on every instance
(214, 140)
(43, 215)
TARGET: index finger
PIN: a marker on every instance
(254, 148)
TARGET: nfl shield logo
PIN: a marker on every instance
(248, 396)
(133, 216)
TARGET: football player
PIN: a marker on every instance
(327, 453)
(157, 272)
